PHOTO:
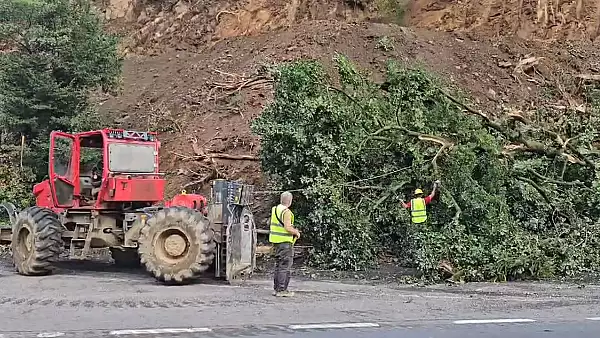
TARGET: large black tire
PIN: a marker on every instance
(126, 258)
(36, 241)
(177, 245)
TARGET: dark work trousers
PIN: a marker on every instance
(284, 257)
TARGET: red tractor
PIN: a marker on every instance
(105, 190)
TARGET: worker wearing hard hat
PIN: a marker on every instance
(418, 204)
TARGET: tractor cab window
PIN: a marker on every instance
(91, 165)
(131, 158)
(63, 151)
(91, 159)
(63, 170)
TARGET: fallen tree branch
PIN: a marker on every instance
(224, 156)
(420, 136)
(345, 94)
(526, 64)
(233, 87)
(487, 120)
(437, 155)
(226, 73)
(456, 216)
(566, 95)
(588, 77)
(537, 187)
(201, 154)
(233, 157)
(530, 145)
(446, 144)
(212, 175)
(568, 145)
(549, 180)
(236, 86)
(227, 12)
(364, 187)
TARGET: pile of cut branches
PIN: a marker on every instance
(519, 197)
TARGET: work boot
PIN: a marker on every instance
(284, 294)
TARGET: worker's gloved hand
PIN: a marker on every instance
(437, 182)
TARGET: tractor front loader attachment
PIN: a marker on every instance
(235, 231)
(6, 227)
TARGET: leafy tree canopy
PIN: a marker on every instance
(53, 53)
(519, 198)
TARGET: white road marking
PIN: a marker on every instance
(159, 331)
(493, 321)
(332, 326)
(50, 334)
(594, 318)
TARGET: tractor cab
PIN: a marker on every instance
(102, 169)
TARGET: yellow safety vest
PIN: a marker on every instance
(418, 210)
(277, 233)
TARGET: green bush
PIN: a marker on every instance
(514, 202)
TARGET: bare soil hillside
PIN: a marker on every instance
(194, 70)
(154, 27)
(546, 20)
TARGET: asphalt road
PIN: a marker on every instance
(538, 330)
(578, 330)
(95, 300)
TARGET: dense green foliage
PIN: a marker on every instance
(517, 199)
(55, 53)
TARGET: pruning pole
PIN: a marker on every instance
(22, 149)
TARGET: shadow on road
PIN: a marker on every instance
(108, 269)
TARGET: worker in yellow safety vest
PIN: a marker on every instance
(283, 235)
(418, 204)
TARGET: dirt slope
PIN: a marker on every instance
(154, 27)
(535, 20)
(189, 65)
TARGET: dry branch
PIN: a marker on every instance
(588, 77)
(233, 157)
(232, 87)
(226, 73)
(364, 187)
(200, 154)
(159, 114)
(446, 144)
(567, 96)
(227, 12)
(212, 175)
(526, 64)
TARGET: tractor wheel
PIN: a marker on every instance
(177, 245)
(36, 241)
(126, 258)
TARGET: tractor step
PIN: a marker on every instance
(79, 243)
